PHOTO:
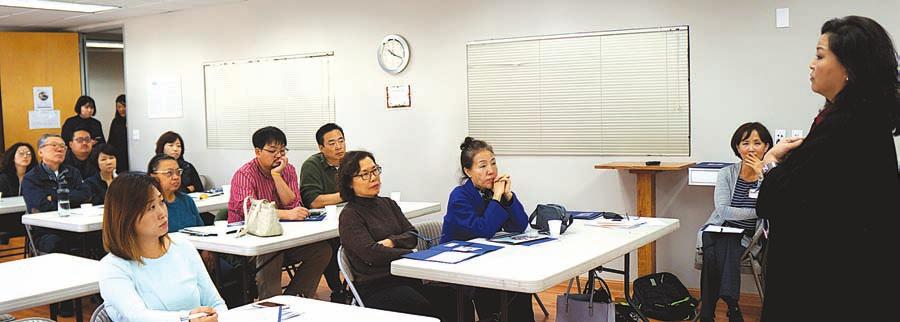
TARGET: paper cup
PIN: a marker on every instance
(555, 226)
(395, 196)
(226, 190)
(87, 206)
(221, 227)
(331, 210)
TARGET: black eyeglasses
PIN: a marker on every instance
(368, 175)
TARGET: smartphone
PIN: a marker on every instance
(269, 304)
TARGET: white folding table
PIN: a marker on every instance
(313, 310)
(47, 279)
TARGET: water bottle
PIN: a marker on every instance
(62, 196)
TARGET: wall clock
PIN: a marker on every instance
(393, 54)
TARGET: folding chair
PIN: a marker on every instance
(343, 265)
(750, 263)
(100, 314)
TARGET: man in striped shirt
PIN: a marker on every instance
(269, 176)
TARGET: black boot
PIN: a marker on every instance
(734, 314)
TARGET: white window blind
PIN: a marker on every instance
(292, 93)
(606, 93)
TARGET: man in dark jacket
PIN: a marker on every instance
(79, 154)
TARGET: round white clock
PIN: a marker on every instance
(393, 54)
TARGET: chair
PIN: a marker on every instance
(204, 180)
(34, 320)
(750, 263)
(100, 314)
(343, 265)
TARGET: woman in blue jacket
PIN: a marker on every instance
(481, 206)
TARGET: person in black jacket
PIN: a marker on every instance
(172, 144)
(831, 198)
(17, 161)
(79, 154)
(85, 109)
(39, 188)
(104, 158)
(118, 135)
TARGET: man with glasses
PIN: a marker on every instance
(318, 189)
(39, 188)
(80, 148)
(269, 176)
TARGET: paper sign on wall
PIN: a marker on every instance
(398, 96)
(43, 119)
(164, 99)
(43, 98)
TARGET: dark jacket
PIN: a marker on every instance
(9, 185)
(118, 138)
(832, 205)
(363, 223)
(190, 177)
(470, 215)
(40, 182)
(86, 168)
(98, 188)
(76, 122)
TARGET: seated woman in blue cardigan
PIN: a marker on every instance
(482, 206)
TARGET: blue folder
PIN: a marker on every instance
(470, 247)
(586, 215)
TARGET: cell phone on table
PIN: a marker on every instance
(269, 304)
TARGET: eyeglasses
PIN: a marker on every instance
(368, 175)
(82, 140)
(54, 145)
(24, 154)
(277, 152)
(171, 172)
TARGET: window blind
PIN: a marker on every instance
(292, 93)
(606, 93)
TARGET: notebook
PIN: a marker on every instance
(517, 238)
(314, 215)
(452, 252)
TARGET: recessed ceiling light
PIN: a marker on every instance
(56, 5)
(103, 44)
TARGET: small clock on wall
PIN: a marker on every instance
(393, 54)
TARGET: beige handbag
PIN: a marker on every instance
(261, 218)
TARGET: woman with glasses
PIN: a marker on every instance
(171, 144)
(375, 232)
(105, 157)
(182, 210)
(481, 206)
(17, 161)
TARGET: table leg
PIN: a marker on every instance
(627, 285)
(646, 207)
(460, 304)
(504, 306)
(78, 314)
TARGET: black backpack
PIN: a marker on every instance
(662, 296)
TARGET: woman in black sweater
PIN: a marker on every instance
(172, 144)
(118, 135)
(375, 232)
(18, 160)
(833, 200)
(85, 109)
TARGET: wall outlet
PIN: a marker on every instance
(797, 133)
(135, 135)
(779, 135)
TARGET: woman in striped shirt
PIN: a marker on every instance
(735, 201)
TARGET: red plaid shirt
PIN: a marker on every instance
(250, 180)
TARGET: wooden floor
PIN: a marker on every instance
(750, 303)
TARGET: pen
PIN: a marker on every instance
(197, 315)
(627, 217)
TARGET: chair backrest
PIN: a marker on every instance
(100, 314)
(344, 266)
(430, 231)
(204, 180)
(34, 320)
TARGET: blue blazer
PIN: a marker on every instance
(470, 216)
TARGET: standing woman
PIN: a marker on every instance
(85, 109)
(481, 206)
(148, 275)
(833, 199)
(171, 144)
(118, 135)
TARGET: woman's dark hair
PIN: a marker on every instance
(9, 159)
(126, 201)
(119, 99)
(104, 148)
(468, 149)
(866, 51)
(743, 132)
(156, 160)
(349, 169)
(268, 134)
(169, 137)
(84, 99)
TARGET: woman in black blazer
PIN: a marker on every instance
(17, 160)
(85, 109)
(832, 198)
(172, 144)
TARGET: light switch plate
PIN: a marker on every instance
(779, 135)
(135, 135)
(796, 133)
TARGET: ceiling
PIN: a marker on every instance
(12, 18)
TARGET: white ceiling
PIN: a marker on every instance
(33, 19)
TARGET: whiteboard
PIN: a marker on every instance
(293, 93)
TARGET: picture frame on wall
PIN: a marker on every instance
(398, 96)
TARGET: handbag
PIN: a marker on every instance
(261, 218)
(594, 306)
(544, 212)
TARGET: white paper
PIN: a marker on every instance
(624, 223)
(722, 229)
(782, 18)
(250, 314)
(398, 96)
(43, 119)
(451, 257)
(164, 100)
(43, 98)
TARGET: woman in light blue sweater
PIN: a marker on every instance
(148, 276)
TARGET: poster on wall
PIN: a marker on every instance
(398, 96)
(43, 119)
(43, 98)
(164, 98)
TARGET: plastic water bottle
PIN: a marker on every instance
(62, 196)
